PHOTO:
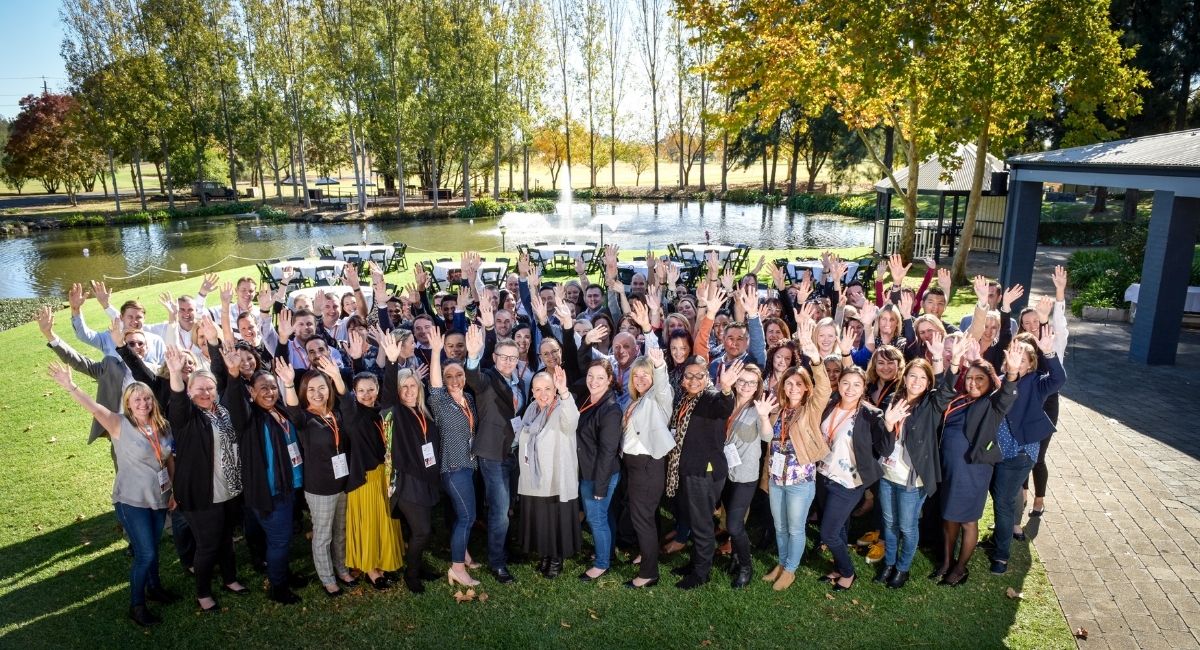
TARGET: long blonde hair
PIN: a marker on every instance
(406, 373)
(156, 417)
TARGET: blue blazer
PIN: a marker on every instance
(1027, 418)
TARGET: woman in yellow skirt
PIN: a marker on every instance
(373, 539)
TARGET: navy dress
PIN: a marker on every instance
(964, 486)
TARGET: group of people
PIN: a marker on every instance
(568, 405)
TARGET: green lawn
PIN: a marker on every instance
(63, 573)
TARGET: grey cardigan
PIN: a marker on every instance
(110, 374)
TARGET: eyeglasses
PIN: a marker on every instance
(693, 376)
(136, 344)
(504, 357)
(745, 382)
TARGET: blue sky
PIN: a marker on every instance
(30, 38)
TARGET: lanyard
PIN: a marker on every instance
(149, 431)
(331, 422)
(729, 422)
(957, 405)
(466, 411)
(588, 405)
(836, 423)
(884, 393)
(421, 421)
(683, 407)
(382, 433)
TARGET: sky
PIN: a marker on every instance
(30, 38)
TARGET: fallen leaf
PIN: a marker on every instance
(1081, 633)
(78, 517)
(470, 593)
(1014, 594)
(853, 601)
(706, 642)
(410, 627)
(829, 596)
(564, 624)
(483, 596)
(52, 440)
(594, 617)
(460, 597)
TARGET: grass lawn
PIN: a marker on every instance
(64, 576)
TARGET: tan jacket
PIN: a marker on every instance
(805, 430)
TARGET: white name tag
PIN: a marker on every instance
(341, 468)
(731, 456)
(164, 481)
(427, 454)
(778, 464)
(517, 423)
(294, 454)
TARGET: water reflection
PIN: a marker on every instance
(48, 262)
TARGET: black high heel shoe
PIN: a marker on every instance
(838, 587)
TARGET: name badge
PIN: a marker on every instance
(427, 454)
(164, 481)
(731, 456)
(294, 454)
(517, 423)
(341, 468)
(778, 464)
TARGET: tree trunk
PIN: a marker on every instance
(765, 164)
(167, 169)
(794, 165)
(1101, 203)
(654, 118)
(496, 166)
(1129, 207)
(963, 252)
(137, 158)
(112, 170)
(524, 169)
(774, 164)
(360, 181)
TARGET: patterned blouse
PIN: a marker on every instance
(793, 472)
(458, 429)
(1009, 448)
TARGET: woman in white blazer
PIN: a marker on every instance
(646, 441)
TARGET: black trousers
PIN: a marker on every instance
(212, 527)
(647, 480)
(420, 525)
(736, 498)
(701, 494)
(1040, 473)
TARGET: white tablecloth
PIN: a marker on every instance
(1191, 303)
(363, 252)
(441, 270)
(636, 267)
(574, 250)
(337, 291)
(818, 272)
(697, 251)
(306, 268)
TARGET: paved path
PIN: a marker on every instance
(1122, 506)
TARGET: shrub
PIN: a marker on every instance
(82, 221)
(213, 210)
(1101, 276)
(271, 213)
(751, 195)
(534, 205)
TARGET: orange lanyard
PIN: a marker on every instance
(149, 431)
(331, 422)
(884, 393)
(588, 405)
(466, 411)
(382, 433)
(956, 405)
(421, 421)
(836, 423)
(729, 421)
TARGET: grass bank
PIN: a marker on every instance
(63, 573)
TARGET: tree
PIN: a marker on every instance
(47, 142)
(638, 156)
(649, 17)
(549, 143)
(588, 32)
(614, 49)
(1165, 38)
(562, 14)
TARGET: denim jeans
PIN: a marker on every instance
(278, 526)
(497, 481)
(901, 510)
(460, 487)
(181, 536)
(1006, 491)
(144, 527)
(789, 509)
(600, 517)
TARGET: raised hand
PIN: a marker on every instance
(45, 320)
(474, 340)
(943, 280)
(936, 345)
(208, 328)
(727, 280)
(487, 313)
(266, 299)
(61, 374)
(226, 293)
(523, 265)
(847, 341)
(748, 296)
(285, 371)
(580, 266)
(100, 290)
(356, 344)
(777, 276)
(423, 371)
(973, 350)
(563, 311)
(804, 290)
(116, 330)
(596, 334)
(672, 274)
(1011, 295)
(898, 268)
(76, 297)
(168, 302)
(350, 273)
(560, 379)
(1060, 283)
(640, 315)
(896, 412)
(980, 285)
(807, 313)
(390, 347)
(233, 360)
(766, 406)
(906, 305)
(420, 278)
(961, 344)
(539, 308)
(327, 366)
(173, 357)
(867, 314)
(1045, 306)
(656, 356)
(1012, 357)
(807, 344)
(1046, 340)
(285, 324)
(437, 342)
(728, 375)
(209, 283)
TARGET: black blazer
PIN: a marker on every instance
(494, 405)
(194, 455)
(922, 430)
(984, 416)
(870, 438)
(361, 427)
(598, 441)
(705, 437)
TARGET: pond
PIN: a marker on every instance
(47, 262)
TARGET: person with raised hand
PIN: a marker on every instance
(912, 471)
(696, 467)
(599, 443)
(549, 480)
(132, 316)
(372, 534)
(856, 433)
(208, 472)
(745, 430)
(499, 397)
(455, 414)
(110, 372)
(969, 449)
(141, 494)
(1021, 433)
